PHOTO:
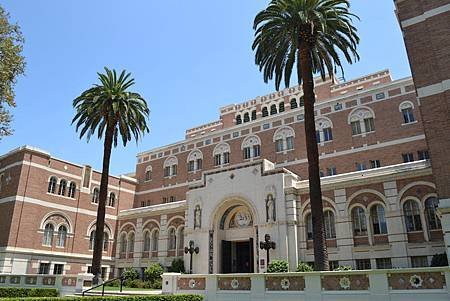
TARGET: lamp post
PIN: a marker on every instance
(191, 250)
(267, 244)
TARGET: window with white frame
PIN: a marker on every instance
(155, 240)
(433, 220)
(105, 240)
(112, 199)
(407, 110)
(254, 115)
(329, 225)
(419, 261)
(324, 130)
(195, 160)
(361, 121)
(172, 239)
(49, 230)
(331, 171)
(273, 109)
(408, 157)
(147, 241)
(170, 166)
(294, 104)
(44, 268)
(246, 117)
(251, 147)
(181, 238)
(62, 235)
(238, 119)
(383, 263)
(62, 187)
(375, 163)
(359, 221)
(72, 189)
(412, 216)
(123, 243)
(58, 269)
(284, 139)
(52, 185)
(95, 195)
(378, 219)
(363, 264)
(131, 243)
(148, 173)
(265, 112)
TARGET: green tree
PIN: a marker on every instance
(153, 272)
(114, 113)
(306, 35)
(12, 65)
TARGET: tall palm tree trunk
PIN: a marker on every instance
(100, 224)
(315, 193)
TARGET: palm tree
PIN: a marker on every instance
(114, 113)
(307, 35)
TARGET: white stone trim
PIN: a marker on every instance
(428, 14)
(29, 200)
(49, 253)
(434, 89)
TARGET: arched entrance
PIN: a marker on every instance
(235, 238)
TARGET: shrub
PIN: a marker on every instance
(439, 260)
(153, 272)
(157, 284)
(115, 283)
(135, 283)
(117, 298)
(18, 292)
(304, 267)
(278, 266)
(343, 268)
(130, 274)
(177, 266)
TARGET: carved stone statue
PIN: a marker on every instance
(270, 208)
(197, 217)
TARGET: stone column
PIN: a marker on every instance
(291, 219)
(444, 213)
(138, 243)
(398, 238)
(344, 237)
(162, 242)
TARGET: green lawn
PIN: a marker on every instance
(116, 289)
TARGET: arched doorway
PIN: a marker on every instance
(235, 238)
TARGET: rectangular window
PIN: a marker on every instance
(289, 143)
(226, 158)
(199, 164)
(90, 270)
(58, 269)
(44, 268)
(247, 153)
(423, 155)
(279, 147)
(408, 115)
(379, 96)
(356, 127)
(318, 136)
(217, 160)
(409, 157)
(191, 165)
(375, 164)
(164, 200)
(172, 199)
(369, 124)
(331, 171)
(363, 264)
(167, 171)
(142, 203)
(256, 150)
(384, 263)
(419, 261)
(174, 170)
(360, 166)
(327, 134)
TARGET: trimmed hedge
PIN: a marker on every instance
(118, 298)
(18, 292)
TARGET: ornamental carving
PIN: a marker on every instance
(191, 283)
(237, 283)
(289, 283)
(241, 219)
(411, 281)
(348, 282)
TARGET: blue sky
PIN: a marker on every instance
(189, 58)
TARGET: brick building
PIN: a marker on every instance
(232, 181)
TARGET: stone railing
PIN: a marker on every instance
(65, 284)
(395, 284)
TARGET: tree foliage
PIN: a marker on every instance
(12, 65)
(278, 266)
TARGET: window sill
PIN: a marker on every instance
(170, 177)
(409, 123)
(61, 196)
(363, 134)
(325, 142)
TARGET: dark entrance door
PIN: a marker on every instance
(237, 257)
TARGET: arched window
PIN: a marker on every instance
(92, 240)
(49, 229)
(95, 195)
(251, 147)
(72, 189)
(433, 220)
(329, 225)
(324, 129)
(284, 139)
(294, 104)
(155, 239)
(131, 243)
(170, 166)
(265, 112)
(254, 115)
(273, 109)
(148, 173)
(62, 187)
(147, 241)
(302, 101)
(221, 154)
(62, 235)
(281, 107)
(52, 185)
(361, 121)
(246, 117)
(412, 216)
(238, 119)
(359, 222)
(378, 219)
(172, 239)
(112, 199)
(123, 243)
(195, 160)
(105, 241)
(181, 238)
(406, 108)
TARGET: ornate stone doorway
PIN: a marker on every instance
(237, 256)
